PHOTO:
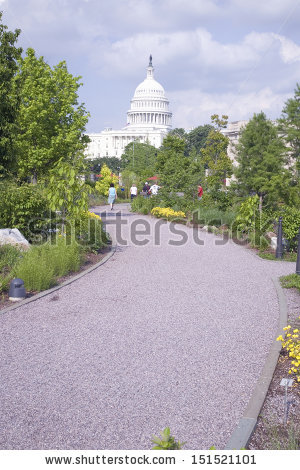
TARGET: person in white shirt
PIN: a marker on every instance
(154, 189)
(133, 191)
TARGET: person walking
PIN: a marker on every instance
(200, 192)
(146, 189)
(112, 195)
(133, 191)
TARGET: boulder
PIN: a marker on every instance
(13, 236)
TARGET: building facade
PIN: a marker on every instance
(148, 121)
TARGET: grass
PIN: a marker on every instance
(290, 281)
(213, 216)
(284, 438)
(42, 265)
(271, 256)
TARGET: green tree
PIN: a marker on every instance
(214, 155)
(9, 95)
(112, 162)
(179, 132)
(107, 177)
(50, 122)
(139, 158)
(260, 154)
(197, 137)
(174, 169)
(67, 191)
(289, 126)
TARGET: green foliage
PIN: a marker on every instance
(9, 256)
(128, 178)
(87, 231)
(292, 257)
(290, 223)
(25, 208)
(260, 154)
(66, 191)
(213, 216)
(140, 159)
(196, 138)
(50, 122)
(214, 156)
(175, 170)
(290, 281)
(144, 205)
(289, 125)
(248, 212)
(102, 186)
(96, 164)
(36, 270)
(9, 95)
(41, 265)
(166, 441)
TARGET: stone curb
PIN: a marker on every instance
(242, 433)
(65, 283)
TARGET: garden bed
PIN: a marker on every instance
(271, 432)
(90, 259)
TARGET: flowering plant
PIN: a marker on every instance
(167, 213)
(292, 345)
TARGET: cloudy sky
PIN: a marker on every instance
(232, 57)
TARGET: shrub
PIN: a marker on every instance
(167, 213)
(41, 265)
(290, 224)
(25, 208)
(292, 345)
(35, 269)
(144, 205)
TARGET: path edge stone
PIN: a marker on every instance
(63, 284)
(246, 425)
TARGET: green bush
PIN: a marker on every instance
(144, 205)
(290, 224)
(41, 265)
(35, 269)
(213, 216)
(87, 231)
(25, 208)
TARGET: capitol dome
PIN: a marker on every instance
(149, 105)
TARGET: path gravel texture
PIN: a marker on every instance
(160, 335)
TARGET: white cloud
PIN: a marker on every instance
(192, 108)
(289, 51)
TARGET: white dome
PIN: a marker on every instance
(149, 87)
(149, 107)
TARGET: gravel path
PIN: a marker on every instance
(157, 336)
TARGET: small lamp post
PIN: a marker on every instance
(279, 248)
(17, 290)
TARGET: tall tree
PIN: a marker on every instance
(174, 168)
(214, 155)
(197, 137)
(9, 96)
(260, 155)
(50, 122)
(289, 126)
(139, 158)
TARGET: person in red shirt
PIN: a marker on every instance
(200, 192)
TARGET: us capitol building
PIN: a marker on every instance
(148, 121)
